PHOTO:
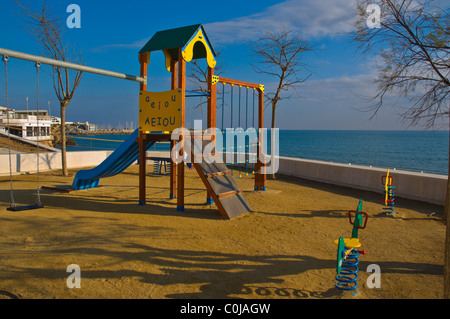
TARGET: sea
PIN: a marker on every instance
(423, 151)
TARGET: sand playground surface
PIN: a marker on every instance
(282, 249)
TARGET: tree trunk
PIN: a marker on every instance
(447, 197)
(447, 252)
(447, 235)
(272, 135)
(63, 139)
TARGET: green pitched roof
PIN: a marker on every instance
(173, 39)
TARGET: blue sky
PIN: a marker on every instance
(113, 32)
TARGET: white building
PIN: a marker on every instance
(31, 124)
(87, 126)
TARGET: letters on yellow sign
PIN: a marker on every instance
(159, 111)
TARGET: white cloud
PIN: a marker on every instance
(135, 45)
(342, 102)
(339, 88)
(312, 18)
(335, 103)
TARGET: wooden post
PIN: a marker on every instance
(173, 165)
(212, 88)
(180, 167)
(144, 60)
(260, 177)
(142, 168)
(211, 120)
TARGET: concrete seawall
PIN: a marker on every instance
(22, 163)
(425, 187)
(26, 162)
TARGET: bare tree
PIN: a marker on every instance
(198, 73)
(413, 42)
(48, 32)
(281, 55)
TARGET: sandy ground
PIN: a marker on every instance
(283, 249)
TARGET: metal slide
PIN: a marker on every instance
(125, 155)
(216, 177)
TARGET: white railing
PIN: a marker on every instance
(27, 117)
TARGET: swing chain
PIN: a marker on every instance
(38, 198)
(13, 203)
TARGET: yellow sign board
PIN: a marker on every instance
(159, 111)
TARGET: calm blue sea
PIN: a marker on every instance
(414, 150)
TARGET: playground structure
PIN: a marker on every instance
(348, 254)
(157, 123)
(160, 113)
(389, 193)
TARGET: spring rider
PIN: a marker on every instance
(389, 194)
(347, 252)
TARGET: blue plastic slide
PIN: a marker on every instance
(125, 155)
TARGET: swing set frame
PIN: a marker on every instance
(38, 60)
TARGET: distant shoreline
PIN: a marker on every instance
(412, 150)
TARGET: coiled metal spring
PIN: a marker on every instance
(347, 280)
(390, 202)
